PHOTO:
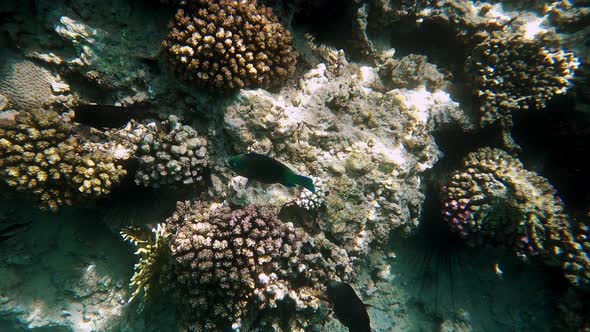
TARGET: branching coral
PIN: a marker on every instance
(494, 199)
(171, 153)
(229, 44)
(223, 265)
(512, 72)
(510, 59)
(40, 156)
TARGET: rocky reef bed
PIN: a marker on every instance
(401, 211)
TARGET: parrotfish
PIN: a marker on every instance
(258, 167)
(108, 116)
(348, 307)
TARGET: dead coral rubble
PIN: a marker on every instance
(229, 44)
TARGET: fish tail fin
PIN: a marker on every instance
(304, 181)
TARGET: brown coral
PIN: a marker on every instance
(229, 44)
(40, 156)
(494, 199)
(512, 72)
(226, 262)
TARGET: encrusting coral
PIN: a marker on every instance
(41, 156)
(171, 153)
(493, 199)
(229, 44)
(224, 266)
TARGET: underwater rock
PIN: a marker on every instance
(41, 157)
(229, 44)
(226, 267)
(341, 126)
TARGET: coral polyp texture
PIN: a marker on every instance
(516, 73)
(40, 156)
(226, 266)
(25, 84)
(171, 153)
(493, 199)
(229, 44)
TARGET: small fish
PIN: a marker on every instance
(255, 166)
(8, 232)
(108, 116)
(348, 308)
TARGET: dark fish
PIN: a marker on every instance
(108, 116)
(255, 166)
(8, 232)
(348, 308)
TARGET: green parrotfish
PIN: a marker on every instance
(258, 167)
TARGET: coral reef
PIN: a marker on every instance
(512, 72)
(23, 83)
(494, 199)
(229, 44)
(40, 156)
(171, 153)
(366, 143)
(512, 62)
(228, 266)
(410, 72)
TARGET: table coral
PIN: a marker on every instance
(229, 44)
(171, 153)
(493, 199)
(41, 157)
(224, 265)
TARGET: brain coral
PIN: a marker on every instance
(229, 44)
(494, 199)
(225, 265)
(171, 154)
(25, 84)
(40, 156)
